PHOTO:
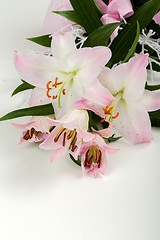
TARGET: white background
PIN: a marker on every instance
(40, 200)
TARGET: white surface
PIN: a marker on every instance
(40, 200)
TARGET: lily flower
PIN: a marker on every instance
(54, 22)
(115, 11)
(93, 156)
(129, 112)
(36, 130)
(67, 76)
(68, 134)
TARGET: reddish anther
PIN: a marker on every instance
(64, 91)
(117, 114)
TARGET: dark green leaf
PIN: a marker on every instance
(113, 139)
(70, 15)
(123, 42)
(152, 87)
(24, 86)
(44, 40)
(133, 48)
(42, 110)
(78, 162)
(101, 36)
(87, 13)
(155, 118)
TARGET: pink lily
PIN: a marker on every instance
(54, 22)
(68, 134)
(36, 130)
(67, 76)
(157, 18)
(129, 111)
(115, 11)
(93, 156)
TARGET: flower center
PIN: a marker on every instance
(29, 134)
(93, 156)
(59, 85)
(68, 135)
(110, 110)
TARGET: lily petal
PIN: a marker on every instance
(156, 18)
(133, 122)
(89, 61)
(151, 100)
(123, 7)
(136, 77)
(57, 154)
(62, 45)
(37, 69)
(54, 22)
(98, 94)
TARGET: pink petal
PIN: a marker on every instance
(39, 97)
(37, 69)
(54, 22)
(106, 19)
(62, 45)
(28, 125)
(151, 100)
(89, 62)
(88, 105)
(98, 94)
(113, 79)
(135, 76)
(102, 5)
(133, 122)
(107, 132)
(57, 154)
(123, 7)
(157, 18)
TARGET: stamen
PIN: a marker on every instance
(70, 134)
(100, 159)
(56, 83)
(48, 93)
(64, 139)
(74, 148)
(59, 134)
(47, 85)
(54, 97)
(73, 140)
(96, 158)
(117, 114)
(64, 91)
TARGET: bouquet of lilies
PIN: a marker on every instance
(94, 80)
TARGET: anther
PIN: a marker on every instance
(64, 91)
(117, 114)
(59, 134)
(64, 139)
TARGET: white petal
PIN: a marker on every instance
(133, 122)
(62, 45)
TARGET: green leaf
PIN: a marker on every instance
(87, 13)
(123, 42)
(152, 87)
(101, 36)
(44, 40)
(42, 110)
(23, 87)
(78, 162)
(113, 139)
(70, 15)
(155, 118)
(133, 48)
